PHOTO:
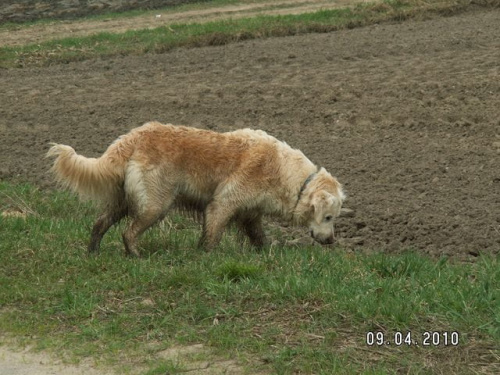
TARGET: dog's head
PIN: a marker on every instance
(325, 201)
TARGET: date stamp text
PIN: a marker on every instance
(408, 338)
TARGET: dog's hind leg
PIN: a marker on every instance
(110, 217)
(139, 225)
(149, 199)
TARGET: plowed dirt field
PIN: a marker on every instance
(407, 116)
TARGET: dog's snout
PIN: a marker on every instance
(328, 240)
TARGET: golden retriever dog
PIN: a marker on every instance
(228, 177)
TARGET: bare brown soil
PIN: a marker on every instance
(407, 116)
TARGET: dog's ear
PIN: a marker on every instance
(319, 203)
(323, 202)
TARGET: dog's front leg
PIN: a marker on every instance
(251, 225)
(216, 218)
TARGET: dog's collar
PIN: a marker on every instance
(304, 185)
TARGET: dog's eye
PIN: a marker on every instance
(328, 218)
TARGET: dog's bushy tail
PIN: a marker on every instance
(96, 179)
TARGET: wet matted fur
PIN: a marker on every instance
(235, 176)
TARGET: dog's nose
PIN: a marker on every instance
(328, 241)
(323, 240)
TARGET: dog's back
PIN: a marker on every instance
(176, 151)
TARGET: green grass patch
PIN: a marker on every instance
(284, 310)
(162, 39)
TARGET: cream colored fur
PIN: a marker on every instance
(237, 176)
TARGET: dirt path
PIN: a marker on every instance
(61, 29)
(29, 363)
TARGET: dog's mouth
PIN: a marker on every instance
(323, 240)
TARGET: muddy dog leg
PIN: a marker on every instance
(136, 227)
(216, 217)
(251, 225)
(110, 217)
(144, 219)
(149, 198)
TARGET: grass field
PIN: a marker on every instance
(163, 39)
(285, 310)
